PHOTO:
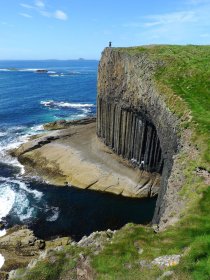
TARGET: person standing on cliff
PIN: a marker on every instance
(110, 44)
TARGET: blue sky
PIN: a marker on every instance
(69, 29)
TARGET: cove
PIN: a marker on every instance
(68, 211)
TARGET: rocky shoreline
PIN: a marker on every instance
(70, 154)
(22, 250)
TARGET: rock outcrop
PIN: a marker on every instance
(132, 117)
(75, 157)
(20, 246)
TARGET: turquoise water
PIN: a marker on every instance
(28, 98)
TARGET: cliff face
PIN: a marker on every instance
(133, 119)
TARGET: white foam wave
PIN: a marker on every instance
(6, 158)
(55, 75)
(37, 128)
(16, 142)
(14, 197)
(79, 116)
(52, 103)
(37, 194)
(13, 162)
(54, 214)
(17, 128)
(7, 199)
(2, 260)
(51, 72)
(22, 208)
(86, 111)
(22, 185)
(31, 69)
(2, 233)
(16, 136)
(2, 134)
(4, 70)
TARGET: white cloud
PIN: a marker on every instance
(197, 2)
(60, 15)
(40, 4)
(57, 14)
(25, 15)
(40, 7)
(26, 6)
(189, 25)
(165, 19)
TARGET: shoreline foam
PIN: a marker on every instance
(2, 260)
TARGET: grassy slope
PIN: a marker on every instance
(185, 73)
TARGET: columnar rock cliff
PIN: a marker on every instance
(132, 117)
(130, 134)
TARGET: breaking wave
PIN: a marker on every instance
(7, 200)
(2, 260)
(22, 70)
(61, 104)
(16, 197)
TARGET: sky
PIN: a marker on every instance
(70, 29)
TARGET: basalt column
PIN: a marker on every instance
(130, 135)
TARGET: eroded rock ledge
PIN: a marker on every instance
(74, 156)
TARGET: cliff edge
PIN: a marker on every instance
(144, 113)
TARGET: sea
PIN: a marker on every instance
(33, 93)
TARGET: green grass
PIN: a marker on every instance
(191, 237)
(57, 265)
